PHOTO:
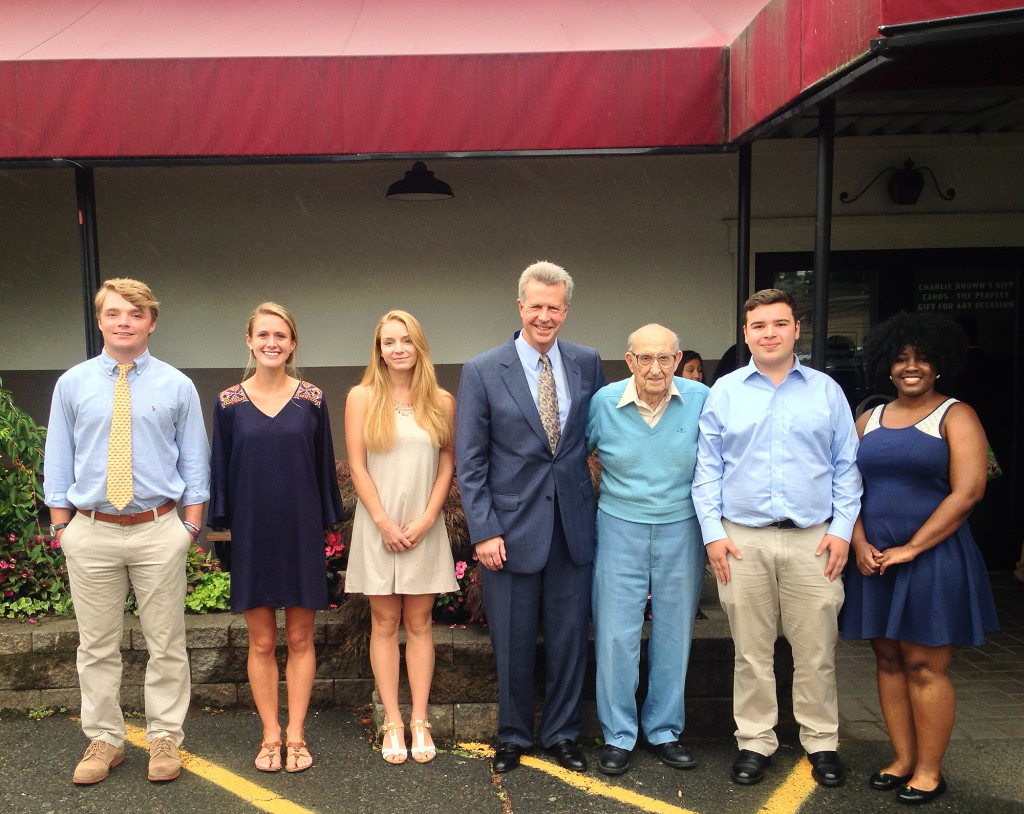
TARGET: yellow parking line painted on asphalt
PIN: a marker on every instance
(587, 784)
(796, 788)
(256, 795)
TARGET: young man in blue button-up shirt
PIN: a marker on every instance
(777, 492)
(144, 544)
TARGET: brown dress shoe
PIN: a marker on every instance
(100, 757)
(164, 763)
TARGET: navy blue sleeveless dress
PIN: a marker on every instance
(941, 597)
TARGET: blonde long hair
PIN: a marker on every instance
(430, 411)
(272, 309)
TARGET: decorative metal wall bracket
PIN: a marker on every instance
(905, 185)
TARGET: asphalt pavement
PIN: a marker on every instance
(38, 757)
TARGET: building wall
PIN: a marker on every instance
(648, 238)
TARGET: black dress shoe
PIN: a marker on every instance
(674, 754)
(915, 797)
(614, 760)
(826, 768)
(568, 755)
(506, 758)
(748, 767)
(880, 781)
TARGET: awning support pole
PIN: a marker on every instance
(85, 192)
(742, 249)
(823, 230)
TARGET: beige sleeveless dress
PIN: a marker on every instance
(404, 476)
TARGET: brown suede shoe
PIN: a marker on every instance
(100, 757)
(164, 763)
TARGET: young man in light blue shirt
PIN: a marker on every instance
(777, 492)
(143, 544)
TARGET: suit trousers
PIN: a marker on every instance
(632, 561)
(559, 597)
(103, 560)
(780, 583)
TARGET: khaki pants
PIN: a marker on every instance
(103, 559)
(780, 585)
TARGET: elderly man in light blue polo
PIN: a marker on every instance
(644, 429)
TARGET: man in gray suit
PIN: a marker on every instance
(526, 491)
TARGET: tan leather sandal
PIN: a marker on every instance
(269, 757)
(299, 759)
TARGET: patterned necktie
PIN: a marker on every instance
(547, 402)
(120, 490)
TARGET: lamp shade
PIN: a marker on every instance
(419, 184)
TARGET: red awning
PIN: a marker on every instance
(259, 77)
(212, 78)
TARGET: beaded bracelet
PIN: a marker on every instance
(193, 529)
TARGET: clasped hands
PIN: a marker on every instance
(401, 538)
(871, 561)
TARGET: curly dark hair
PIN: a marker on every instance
(935, 336)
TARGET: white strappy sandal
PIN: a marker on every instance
(421, 751)
(394, 754)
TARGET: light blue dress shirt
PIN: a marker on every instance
(530, 357)
(768, 453)
(170, 453)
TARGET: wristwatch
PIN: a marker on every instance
(55, 527)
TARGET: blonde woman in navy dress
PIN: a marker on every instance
(274, 485)
(399, 433)
(916, 584)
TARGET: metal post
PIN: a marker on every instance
(85, 192)
(823, 230)
(742, 249)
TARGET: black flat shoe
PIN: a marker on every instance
(880, 781)
(826, 768)
(506, 758)
(748, 767)
(568, 755)
(614, 760)
(674, 754)
(915, 797)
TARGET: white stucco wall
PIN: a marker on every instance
(647, 239)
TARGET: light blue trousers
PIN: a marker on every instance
(665, 560)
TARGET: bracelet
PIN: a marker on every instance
(193, 529)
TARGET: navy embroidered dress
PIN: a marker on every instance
(273, 483)
(942, 596)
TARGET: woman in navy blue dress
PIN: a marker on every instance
(917, 584)
(274, 485)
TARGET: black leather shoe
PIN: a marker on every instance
(614, 760)
(674, 754)
(568, 755)
(748, 767)
(880, 781)
(915, 797)
(826, 768)
(506, 758)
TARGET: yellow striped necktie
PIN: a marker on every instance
(120, 489)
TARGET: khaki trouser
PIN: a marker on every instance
(780, 585)
(103, 559)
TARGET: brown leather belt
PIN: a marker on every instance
(130, 519)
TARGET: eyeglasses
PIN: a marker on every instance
(645, 359)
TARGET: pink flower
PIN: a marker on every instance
(200, 550)
(8, 593)
(31, 621)
(3, 564)
(54, 544)
(460, 569)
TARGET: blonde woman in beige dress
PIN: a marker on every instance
(399, 433)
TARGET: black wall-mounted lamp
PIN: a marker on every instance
(419, 184)
(905, 185)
